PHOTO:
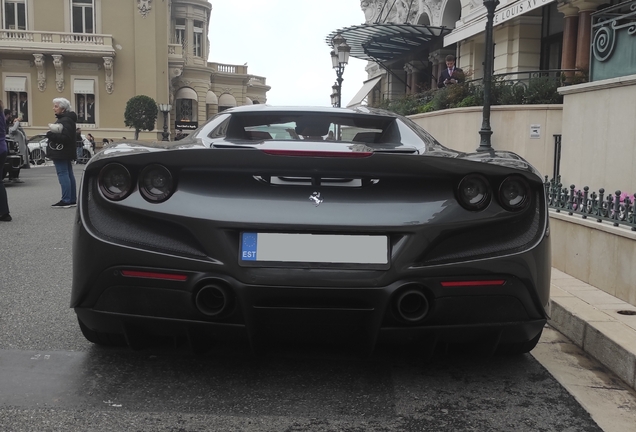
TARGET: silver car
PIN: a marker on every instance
(37, 149)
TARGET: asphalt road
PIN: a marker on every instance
(52, 379)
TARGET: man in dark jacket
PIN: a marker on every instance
(62, 150)
(451, 75)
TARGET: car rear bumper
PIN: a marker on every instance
(403, 312)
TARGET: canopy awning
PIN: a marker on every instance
(227, 100)
(15, 84)
(385, 42)
(211, 98)
(186, 93)
(364, 91)
(84, 86)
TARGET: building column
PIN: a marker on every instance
(409, 75)
(584, 37)
(570, 32)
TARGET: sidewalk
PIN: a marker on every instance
(590, 318)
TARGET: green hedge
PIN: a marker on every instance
(542, 90)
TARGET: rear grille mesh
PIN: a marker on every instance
(132, 229)
(490, 240)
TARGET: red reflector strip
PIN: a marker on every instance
(473, 283)
(311, 153)
(153, 275)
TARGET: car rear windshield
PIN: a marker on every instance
(314, 126)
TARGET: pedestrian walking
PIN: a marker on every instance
(62, 150)
(4, 151)
(79, 146)
(91, 139)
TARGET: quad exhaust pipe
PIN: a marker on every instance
(214, 300)
(411, 305)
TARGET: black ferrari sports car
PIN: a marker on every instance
(313, 224)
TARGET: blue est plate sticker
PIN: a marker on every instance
(248, 246)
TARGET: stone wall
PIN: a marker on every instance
(511, 125)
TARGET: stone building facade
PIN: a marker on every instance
(100, 53)
(529, 35)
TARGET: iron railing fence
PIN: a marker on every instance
(524, 78)
(617, 208)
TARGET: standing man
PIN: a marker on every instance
(24, 108)
(62, 150)
(4, 205)
(451, 75)
(90, 109)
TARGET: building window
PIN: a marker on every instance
(179, 32)
(551, 37)
(186, 110)
(83, 17)
(84, 90)
(198, 39)
(14, 14)
(17, 97)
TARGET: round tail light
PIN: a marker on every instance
(474, 192)
(514, 193)
(156, 183)
(115, 182)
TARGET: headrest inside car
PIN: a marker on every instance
(312, 129)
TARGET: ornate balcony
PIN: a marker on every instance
(44, 42)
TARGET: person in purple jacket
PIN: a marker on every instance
(4, 204)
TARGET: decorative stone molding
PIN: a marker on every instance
(17, 64)
(397, 12)
(144, 7)
(58, 63)
(109, 74)
(39, 65)
(83, 66)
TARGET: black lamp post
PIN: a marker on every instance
(335, 101)
(339, 59)
(165, 109)
(486, 132)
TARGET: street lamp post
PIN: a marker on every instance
(165, 109)
(334, 95)
(486, 132)
(339, 59)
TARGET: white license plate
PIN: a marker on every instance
(314, 248)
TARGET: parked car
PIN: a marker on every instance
(13, 163)
(37, 149)
(352, 225)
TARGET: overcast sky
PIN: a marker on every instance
(284, 41)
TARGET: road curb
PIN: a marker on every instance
(591, 319)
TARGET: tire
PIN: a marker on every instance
(103, 339)
(519, 348)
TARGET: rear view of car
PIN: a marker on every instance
(311, 224)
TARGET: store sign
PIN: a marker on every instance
(518, 8)
(186, 125)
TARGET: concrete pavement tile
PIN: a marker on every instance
(555, 291)
(597, 297)
(612, 310)
(582, 309)
(572, 284)
(614, 345)
(558, 274)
